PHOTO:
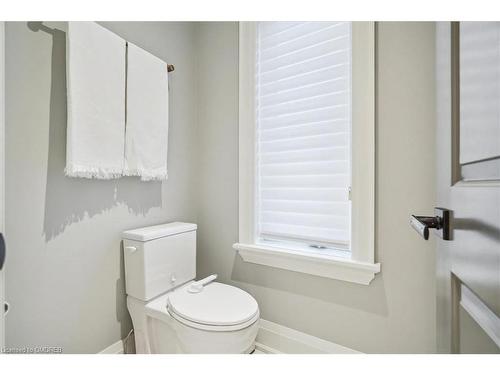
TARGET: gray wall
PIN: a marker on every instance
(396, 313)
(64, 273)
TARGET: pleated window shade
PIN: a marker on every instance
(303, 100)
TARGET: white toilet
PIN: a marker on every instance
(171, 312)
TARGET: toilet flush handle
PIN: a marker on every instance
(131, 249)
(197, 286)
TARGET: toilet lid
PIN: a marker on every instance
(217, 304)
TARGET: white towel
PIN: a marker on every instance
(95, 65)
(146, 137)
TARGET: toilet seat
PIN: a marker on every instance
(218, 307)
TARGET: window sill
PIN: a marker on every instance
(314, 264)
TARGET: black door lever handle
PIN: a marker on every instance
(2, 251)
(440, 222)
(422, 224)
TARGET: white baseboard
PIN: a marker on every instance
(116, 348)
(273, 338)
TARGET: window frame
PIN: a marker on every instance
(360, 267)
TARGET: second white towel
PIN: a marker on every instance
(146, 135)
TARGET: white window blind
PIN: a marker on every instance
(303, 99)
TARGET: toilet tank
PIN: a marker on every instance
(159, 258)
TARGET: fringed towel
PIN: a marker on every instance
(146, 132)
(96, 101)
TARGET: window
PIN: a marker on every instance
(307, 147)
(303, 111)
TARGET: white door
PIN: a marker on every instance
(468, 166)
(2, 132)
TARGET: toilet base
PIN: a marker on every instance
(157, 332)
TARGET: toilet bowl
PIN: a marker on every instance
(172, 313)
